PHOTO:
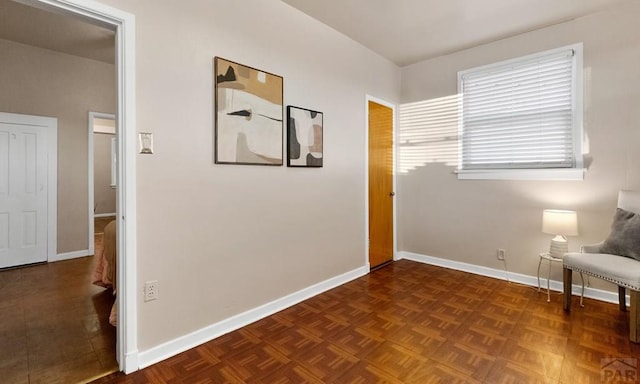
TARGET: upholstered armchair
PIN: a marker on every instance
(617, 260)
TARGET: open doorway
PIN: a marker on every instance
(121, 27)
(101, 174)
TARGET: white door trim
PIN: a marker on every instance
(51, 130)
(124, 25)
(376, 100)
(90, 155)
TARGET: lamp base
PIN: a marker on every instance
(559, 246)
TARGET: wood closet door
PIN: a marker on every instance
(381, 192)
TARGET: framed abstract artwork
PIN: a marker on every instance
(248, 115)
(304, 132)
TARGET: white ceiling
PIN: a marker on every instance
(409, 31)
(56, 32)
(404, 31)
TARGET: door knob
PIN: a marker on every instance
(392, 193)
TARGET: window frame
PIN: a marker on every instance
(565, 173)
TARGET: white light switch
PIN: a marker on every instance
(146, 142)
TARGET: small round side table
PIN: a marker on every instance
(550, 259)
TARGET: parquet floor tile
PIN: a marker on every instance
(324, 302)
(414, 324)
(357, 341)
(192, 361)
(292, 373)
(525, 358)
(293, 340)
(352, 312)
(396, 360)
(480, 338)
(325, 325)
(54, 323)
(300, 313)
(383, 323)
(327, 361)
(364, 373)
(269, 326)
(436, 373)
(542, 339)
(234, 342)
(465, 358)
(576, 371)
(505, 371)
(259, 361)
(421, 340)
(493, 322)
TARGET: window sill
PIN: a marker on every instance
(575, 174)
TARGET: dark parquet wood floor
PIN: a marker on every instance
(54, 324)
(411, 323)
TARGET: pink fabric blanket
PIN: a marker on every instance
(100, 274)
(105, 271)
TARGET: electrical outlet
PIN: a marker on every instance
(151, 290)
(500, 254)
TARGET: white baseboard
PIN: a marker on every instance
(171, 348)
(598, 294)
(186, 342)
(69, 255)
(104, 214)
(131, 362)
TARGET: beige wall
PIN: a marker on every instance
(104, 197)
(468, 220)
(223, 239)
(36, 81)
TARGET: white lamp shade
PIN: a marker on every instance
(560, 222)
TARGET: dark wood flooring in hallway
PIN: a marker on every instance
(54, 324)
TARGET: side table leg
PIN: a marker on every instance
(539, 262)
(582, 292)
(548, 278)
(566, 281)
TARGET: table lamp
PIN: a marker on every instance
(561, 224)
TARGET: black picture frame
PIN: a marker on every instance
(305, 136)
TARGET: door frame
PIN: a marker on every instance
(50, 125)
(385, 103)
(123, 23)
(90, 174)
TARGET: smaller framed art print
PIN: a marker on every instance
(304, 132)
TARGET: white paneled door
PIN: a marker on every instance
(23, 194)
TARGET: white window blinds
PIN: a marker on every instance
(520, 114)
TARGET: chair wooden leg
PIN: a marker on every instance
(634, 318)
(622, 298)
(567, 274)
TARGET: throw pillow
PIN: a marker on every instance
(624, 239)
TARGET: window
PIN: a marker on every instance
(522, 118)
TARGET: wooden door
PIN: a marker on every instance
(381, 192)
(23, 194)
